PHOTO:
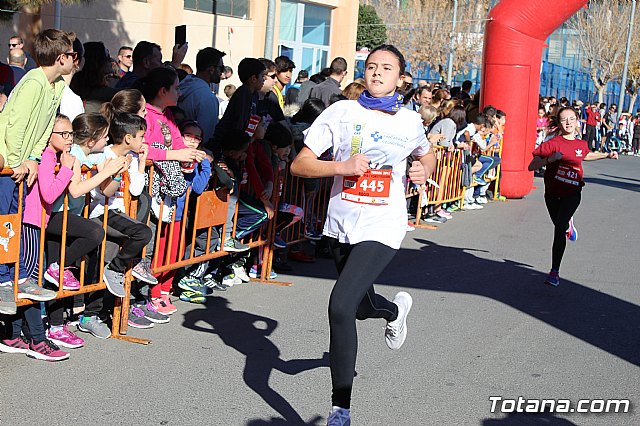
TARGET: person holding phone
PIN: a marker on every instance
(146, 57)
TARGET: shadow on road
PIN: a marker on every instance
(614, 183)
(525, 419)
(604, 321)
(248, 334)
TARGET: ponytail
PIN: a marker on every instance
(89, 126)
(125, 101)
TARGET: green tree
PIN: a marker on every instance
(372, 31)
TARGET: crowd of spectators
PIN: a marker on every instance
(84, 107)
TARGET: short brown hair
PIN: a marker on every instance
(353, 90)
(50, 44)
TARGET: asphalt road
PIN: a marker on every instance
(482, 325)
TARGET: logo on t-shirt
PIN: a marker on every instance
(578, 153)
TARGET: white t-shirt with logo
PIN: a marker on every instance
(136, 185)
(387, 140)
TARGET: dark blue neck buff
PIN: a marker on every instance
(391, 104)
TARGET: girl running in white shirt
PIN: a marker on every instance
(371, 139)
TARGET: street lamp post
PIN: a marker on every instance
(623, 82)
(56, 14)
(452, 42)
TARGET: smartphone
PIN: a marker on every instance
(181, 34)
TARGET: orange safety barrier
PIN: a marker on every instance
(314, 205)
(443, 186)
(210, 211)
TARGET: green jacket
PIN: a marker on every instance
(27, 119)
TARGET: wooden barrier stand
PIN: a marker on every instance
(210, 212)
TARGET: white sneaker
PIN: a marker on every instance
(396, 331)
(339, 417)
(240, 272)
(231, 280)
(471, 206)
(481, 200)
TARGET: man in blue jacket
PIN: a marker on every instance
(197, 100)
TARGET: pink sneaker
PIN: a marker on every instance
(64, 337)
(160, 306)
(46, 351)
(14, 346)
(444, 213)
(52, 274)
(167, 301)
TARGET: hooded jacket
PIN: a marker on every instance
(199, 104)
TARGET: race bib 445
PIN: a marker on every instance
(370, 188)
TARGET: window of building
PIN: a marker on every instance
(237, 8)
(305, 35)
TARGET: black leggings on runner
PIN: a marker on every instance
(561, 209)
(353, 297)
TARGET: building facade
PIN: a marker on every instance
(310, 32)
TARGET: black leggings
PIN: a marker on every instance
(353, 297)
(83, 236)
(561, 209)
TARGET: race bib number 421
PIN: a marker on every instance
(371, 188)
(568, 174)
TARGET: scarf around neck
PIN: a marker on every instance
(391, 104)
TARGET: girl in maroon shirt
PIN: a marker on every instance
(563, 182)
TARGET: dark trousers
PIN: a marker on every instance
(9, 205)
(561, 210)
(353, 297)
(590, 138)
(34, 329)
(488, 162)
(83, 236)
(28, 318)
(138, 235)
(251, 215)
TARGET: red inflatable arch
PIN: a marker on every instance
(513, 44)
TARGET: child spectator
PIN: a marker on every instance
(83, 235)
(160, 90)
(240, 116)
(125, 101)
(25, 126)
(197, 175)
(90, 136)
(197, 283)
(128, 142)
(542, 125)
(31, 223)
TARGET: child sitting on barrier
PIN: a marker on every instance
(127, 131)
(83, 235)
(90, 135)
